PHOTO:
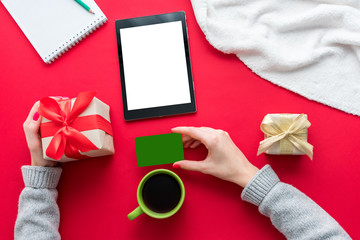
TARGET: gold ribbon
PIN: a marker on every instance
(276, 133)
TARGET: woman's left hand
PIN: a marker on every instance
(33, 139)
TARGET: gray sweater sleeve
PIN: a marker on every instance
(38, 214)
(290, 211)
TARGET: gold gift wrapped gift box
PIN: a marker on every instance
(285, 134)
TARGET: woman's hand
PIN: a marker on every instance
(31, 129)
(224, 159)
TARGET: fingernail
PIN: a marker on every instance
(176, 166)
(36, 116)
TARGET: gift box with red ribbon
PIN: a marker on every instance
(76, 128)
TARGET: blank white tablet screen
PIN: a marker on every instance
(155, 67)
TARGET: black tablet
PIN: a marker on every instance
(155, 69)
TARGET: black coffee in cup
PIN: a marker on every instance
(161, 193)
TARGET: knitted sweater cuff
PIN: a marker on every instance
(41, 177)
(260, 185)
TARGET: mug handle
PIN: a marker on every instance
(134, 214)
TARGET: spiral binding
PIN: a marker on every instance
(75, 40)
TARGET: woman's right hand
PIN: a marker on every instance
(224, 159)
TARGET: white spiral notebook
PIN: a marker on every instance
(54, 26)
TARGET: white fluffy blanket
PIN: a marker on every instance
(311, 47)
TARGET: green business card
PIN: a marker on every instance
(159, 149)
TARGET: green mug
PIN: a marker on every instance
(154, 176)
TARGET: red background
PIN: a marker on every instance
(96, 195)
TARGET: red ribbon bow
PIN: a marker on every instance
(66, 126)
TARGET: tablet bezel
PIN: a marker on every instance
(161, 110)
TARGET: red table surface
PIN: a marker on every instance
(95, 195)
